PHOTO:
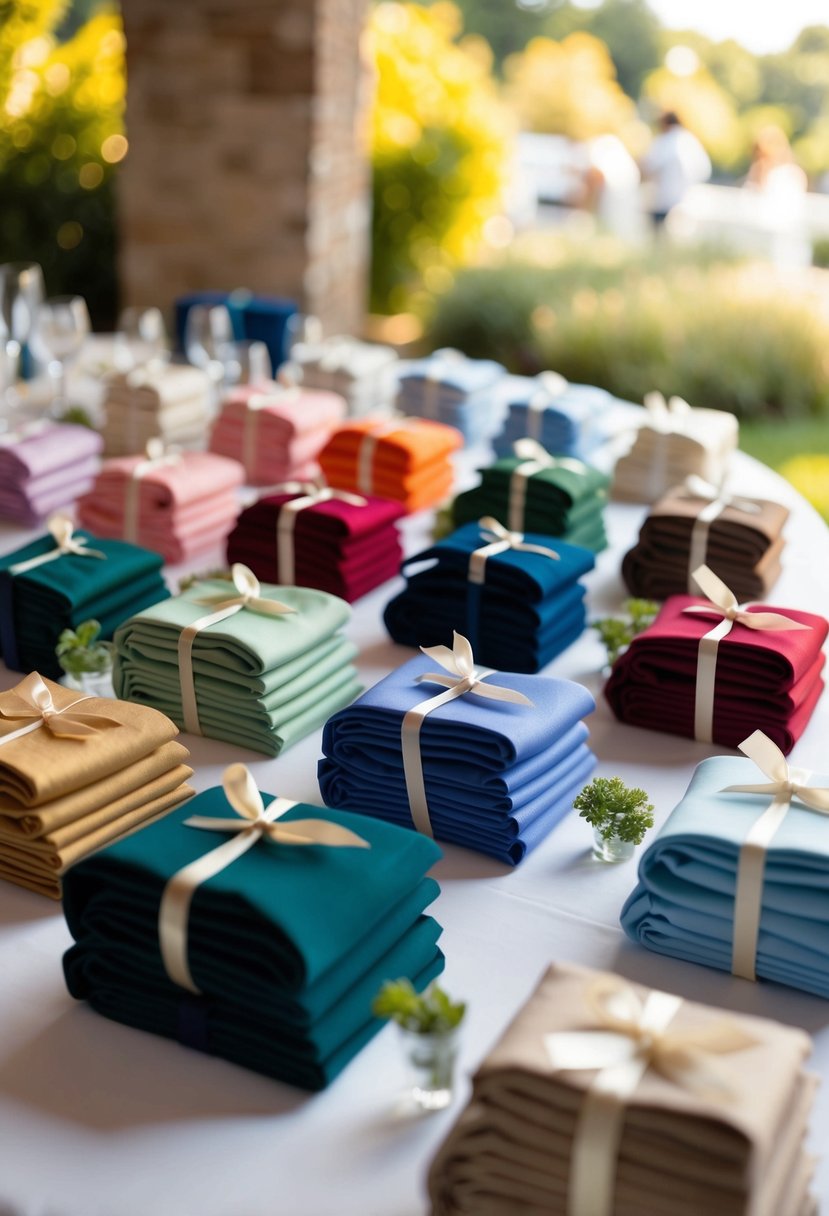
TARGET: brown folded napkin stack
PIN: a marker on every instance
(739, 538)
(714, 1121)
(76, 773)
(172, 404)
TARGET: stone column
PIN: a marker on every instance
(247, 162)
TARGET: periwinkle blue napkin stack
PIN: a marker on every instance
(566, 419)
(497, 776)
(519, 608)
(448, 387)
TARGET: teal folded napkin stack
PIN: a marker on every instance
(267, 674)
(285, 944)
(64, 578)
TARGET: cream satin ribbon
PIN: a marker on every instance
(463, 679)
(288, 390)
(534, 458)
(254, 822)
(312, 493)
(249, 598)
(716, 502)
(500, 540)
(632, 1036)
(551, 385)
(32, 699)
(724, 604)
(784, 784)
(666, 418)
(368, 446)
(157, 457)
(61, 529)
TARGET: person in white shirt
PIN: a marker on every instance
(675, 161)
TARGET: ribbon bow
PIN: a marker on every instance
(463, 677)
(666, 416)
(61, 529)
(531, 449)
(723, 602)
(32, 699)
(157, 454)
(782, 783)
(500, 539)
(249, 588)
(551, 384)
(695, 486)
(314, 491)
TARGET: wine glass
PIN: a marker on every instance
(244, 362)
(206, 329)
(140, 340)
(21, 293)
(60, 332)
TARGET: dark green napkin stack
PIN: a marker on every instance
(287, 945)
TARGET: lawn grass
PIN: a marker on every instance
(776, 440)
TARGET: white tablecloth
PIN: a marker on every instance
(100, 1120)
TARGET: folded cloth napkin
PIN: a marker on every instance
(718, 1127)
(361, 372)
(260, 681)
(448, 387)
(45, 465)
(528, 607)
(282, 958)
(254, 318)
(75, 773)
(171, 403)
(742, 544)
(566, 419)
(38, 602)
(344, 544)
(769, 677)
(179, 504)
(496, 776)
(276, 431)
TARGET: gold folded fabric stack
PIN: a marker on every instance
(75, 774)
(172, 403)
(713, 1121)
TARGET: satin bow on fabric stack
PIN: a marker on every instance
(274, 962)
(533, 491)
(516, 597)
(405, 459)
(256, 666)
(44, 466)
(675, 442)
(705, 668)
(491, 763)
(605, 1098)
(736, 878)
(77, 772)
(313, 536)
(361, 372)
(62, 579)
(448, 387)
(566, 419)
(276, 431)
(739, 538)
(177, 503)
(172, 404)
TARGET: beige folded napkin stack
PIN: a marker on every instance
(675, 442)
(364, 373)
(171, 403)
(87, 771)
(715, 1123)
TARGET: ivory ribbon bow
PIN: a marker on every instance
(631, 1036)
(716, 502)
(666, 416)
(249, 598)
(550, 386)
(534, 458)
(32, 699)
(785, 784)
(61, 529)
(463, 678)
(157, 457)
(500, 539)
(722, 603)
(312, 493)
(254, 822)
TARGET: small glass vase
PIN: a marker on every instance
(92, 683)
(431, 1059)
(611, 849)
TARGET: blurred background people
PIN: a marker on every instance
(675, 161)
(780, 186)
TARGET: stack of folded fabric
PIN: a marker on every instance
(535, 492)
(686, 904)
(179, 504)
(361, 372)
(253, 318)
(405, 459)
(276, 432)
(171, 403)
(43, 466)
(60, 580)
(739, 538)
(710, 1115)
(706, 667)
(566, 419)
(277, 961)
(318, 537)
(75, 774)
(257, 666)
(493, 769)
(676, 442)
(448, 387)
(516, 597)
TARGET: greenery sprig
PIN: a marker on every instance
(618, 632)
(79, 651)
(430, 1012)
(608, 805)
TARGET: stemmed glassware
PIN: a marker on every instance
(140, 340)
(21, 295)
(60, 332)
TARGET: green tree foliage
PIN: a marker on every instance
(507, 25)
(629, 29)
